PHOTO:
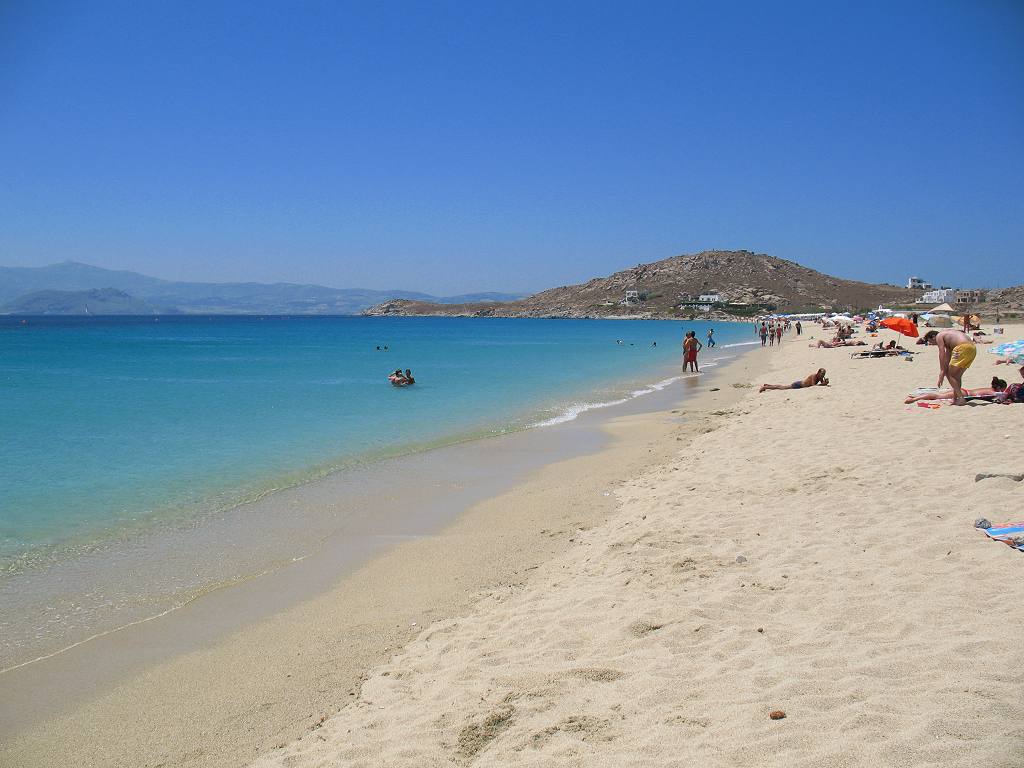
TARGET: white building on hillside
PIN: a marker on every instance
(917, 284)
(710, 298)
(938, 296)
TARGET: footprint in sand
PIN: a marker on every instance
(597, 674)
(583, 727)
(641, 628)
(475, 737)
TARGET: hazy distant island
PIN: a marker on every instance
(73, 288)
(710, 284)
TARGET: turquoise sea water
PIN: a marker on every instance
(128, 446)
(119, 422)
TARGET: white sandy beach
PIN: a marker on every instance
(813, 554)
(809, 551)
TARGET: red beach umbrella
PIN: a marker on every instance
(901, 325)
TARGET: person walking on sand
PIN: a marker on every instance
(799, 329)
(778, 334)
(711, 337)
(764, 333)
(956, 353)
(771, 334)
(690, 349)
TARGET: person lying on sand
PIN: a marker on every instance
(1013, 394)
(885, 347)
(819, 344)
(998, 386)
(815, 379)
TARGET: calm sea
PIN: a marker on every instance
(113, 427)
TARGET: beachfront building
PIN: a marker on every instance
(938, 296)
(970, 296)
(917, 284)
(703, 302)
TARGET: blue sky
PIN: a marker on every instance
(451, 147)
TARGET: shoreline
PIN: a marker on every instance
(802, 586)
(178, 553)
(153, 675)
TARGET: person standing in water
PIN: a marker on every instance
(711, 337)
(690, 348)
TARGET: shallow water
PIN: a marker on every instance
(117, 433)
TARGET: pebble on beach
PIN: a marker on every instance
(776, 714)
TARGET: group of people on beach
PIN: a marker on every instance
(771, 331)
(957, 350)
(691, 347)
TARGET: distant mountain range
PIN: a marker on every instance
(98, 301)
(747, 283)
(72, 288)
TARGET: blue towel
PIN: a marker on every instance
(1004, 532)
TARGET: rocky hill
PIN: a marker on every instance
(1003, 300)
(746, 282)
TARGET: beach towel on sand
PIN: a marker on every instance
(1005, 533)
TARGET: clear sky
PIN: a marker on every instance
(515, 146)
